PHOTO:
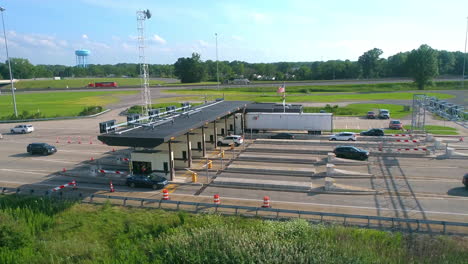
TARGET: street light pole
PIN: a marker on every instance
(9, 63)
(464, 54)
(217, 69)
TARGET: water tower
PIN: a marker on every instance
(82, 57)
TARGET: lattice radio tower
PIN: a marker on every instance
(144, 74)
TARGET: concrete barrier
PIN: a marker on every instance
(333, 187)
(450, 153)
(332, 171)
(267, 184)
(430, 138)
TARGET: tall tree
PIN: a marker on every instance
(446, 61)
(190, 70)
(422, 65)
(370, 63)
(21, 69)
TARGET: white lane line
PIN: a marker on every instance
(21, 171)
(81, 152)
(344, 206)
(53, 160)
(358, 126)
(346, 126)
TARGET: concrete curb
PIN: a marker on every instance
(273, 172)
(317, 191)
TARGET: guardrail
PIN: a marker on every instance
(363, 221)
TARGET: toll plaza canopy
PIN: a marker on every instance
(148, 136)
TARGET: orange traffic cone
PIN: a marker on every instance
(216, 199)
(266, 202)
(64, 170)
(113, 150)
(69, 140)
(111, 187)
(92, 159)
(90, 141)
(79, 140)
(165, 194)
(58, 140)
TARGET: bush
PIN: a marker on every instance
(90, 110)
(24, 115)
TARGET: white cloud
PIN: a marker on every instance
(236, 37)
(84, 36)
(203, 43)
(156, 38)
(260, 18)
(36, 40)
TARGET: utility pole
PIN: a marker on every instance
(9, 64)
(464, 55)
(217, 68)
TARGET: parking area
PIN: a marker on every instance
(393, 182)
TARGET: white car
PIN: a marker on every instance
(233, 139)
(22, 129)
(344, 136)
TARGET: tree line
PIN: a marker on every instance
(422, 64)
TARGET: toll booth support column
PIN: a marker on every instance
(203, 141)
(171, 161)
(225, 126)
(189, 151)
(215, 135)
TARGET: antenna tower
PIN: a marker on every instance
(142, 15)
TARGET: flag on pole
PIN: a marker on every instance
(281, 89)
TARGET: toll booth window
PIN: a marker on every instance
(141, 167)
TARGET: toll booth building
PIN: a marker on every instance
(170, 140)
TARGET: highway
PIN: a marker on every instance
(410, 187)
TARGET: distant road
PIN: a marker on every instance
(210, 86)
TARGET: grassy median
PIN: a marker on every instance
(35, 230)
(79, 82)
(57, 104)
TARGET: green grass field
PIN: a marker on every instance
(34, 230)
(74, 83)
(439, 130)
(436, 130)
(396, 111)
(329, 98)
(308, 89)
(55, 104)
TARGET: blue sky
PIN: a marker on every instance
(48, 31)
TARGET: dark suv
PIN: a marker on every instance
(153, 180)
(350, 152)
(41, 148)
(373, 132)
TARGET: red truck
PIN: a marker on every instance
(103, 84)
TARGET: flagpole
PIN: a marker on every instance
(284, 97)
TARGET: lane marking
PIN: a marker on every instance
(54, 160)
(30, 172)
(80, 152)
(344, 206)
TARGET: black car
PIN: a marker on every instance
(350, 152)
(41, 148)
(152, 180)
(373, 132)
(283, 136)
(465, 180)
